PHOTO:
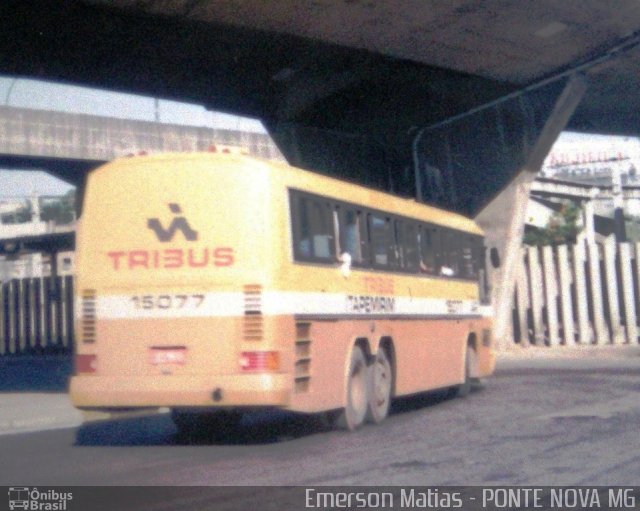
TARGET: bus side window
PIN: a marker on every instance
(429, 247)
(365, 240)
(302, 229)
(380, 234)
(313, 230)
(450, 254)
(397, 248)
(351, 235)
(411, 247)
(322, 231)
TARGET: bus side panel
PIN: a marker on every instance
(429, 355)
(330, 348)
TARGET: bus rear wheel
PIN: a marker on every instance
(380, 385)
(464, 389)
(210, 424)
(355, 410)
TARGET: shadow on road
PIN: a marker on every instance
(420, 401)
(35, 373)
(255, 428)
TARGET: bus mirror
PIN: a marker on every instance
(345, 267)
(494, 255)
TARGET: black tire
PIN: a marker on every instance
(353, 415)
(380, 387)
(214, 425)
(465, 389)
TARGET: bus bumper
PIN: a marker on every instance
(91, 392)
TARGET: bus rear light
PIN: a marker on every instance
(259, 361)
(86, 363)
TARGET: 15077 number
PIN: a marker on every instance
(149, 302)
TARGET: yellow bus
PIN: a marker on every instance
(214, 284)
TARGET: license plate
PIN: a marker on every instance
(165, 356)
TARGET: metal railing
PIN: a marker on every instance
(585, 294)
(36, 315)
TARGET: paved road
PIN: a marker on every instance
(537, 422)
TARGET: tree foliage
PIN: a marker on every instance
(61, 210)
(562, 228)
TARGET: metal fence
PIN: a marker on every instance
(36, 315)
(585, 293)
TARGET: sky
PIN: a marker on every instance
(27, 93)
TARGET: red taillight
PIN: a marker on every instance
(86, 364)
(259, 361)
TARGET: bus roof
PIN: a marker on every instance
(315, 183)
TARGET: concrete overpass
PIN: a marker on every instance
(67, 145)
(552, 187)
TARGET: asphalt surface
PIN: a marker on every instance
(565, 419)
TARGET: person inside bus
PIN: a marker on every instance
(424, 268)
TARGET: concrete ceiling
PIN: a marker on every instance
(513, 42)
(344, 86)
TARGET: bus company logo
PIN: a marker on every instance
(169, 257)
(179, 223)
(32, 499)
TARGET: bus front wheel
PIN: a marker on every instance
(355, 410)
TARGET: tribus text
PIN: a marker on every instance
(171, 258)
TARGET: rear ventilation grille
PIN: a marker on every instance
(252, 328)
(88, 321)
(302, 368)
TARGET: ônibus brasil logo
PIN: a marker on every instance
(22, 497)
(172, 257)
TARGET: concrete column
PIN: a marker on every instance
(588, 213)
(628, 292)
(551, 294)
(617, 335)
(537, 295)
(618, 205)
(637, 252)
(599, 325)
(582, 306)
(504, 217)
(565, 295)
(523, 300)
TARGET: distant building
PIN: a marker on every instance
(591, 168)
(22, 217)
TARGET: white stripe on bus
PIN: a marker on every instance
(275, 303)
